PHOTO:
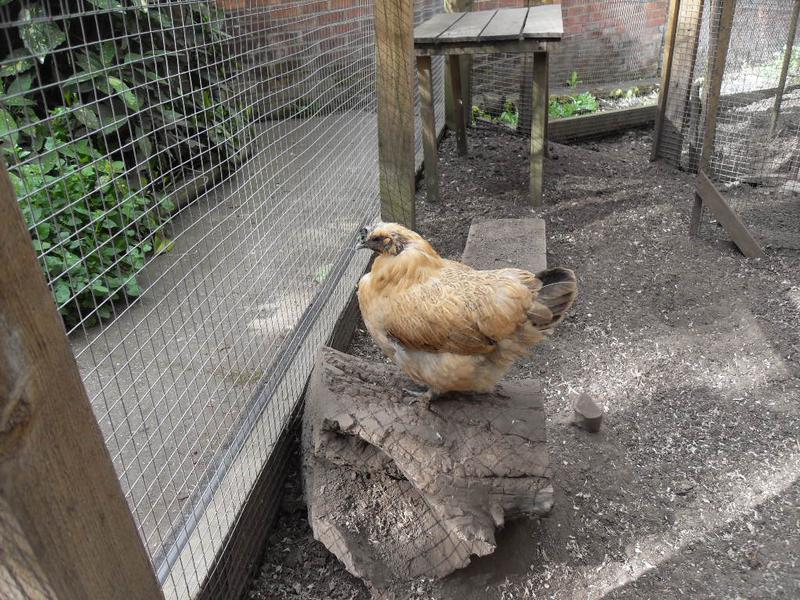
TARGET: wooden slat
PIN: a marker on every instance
(66, 531)
(468, 28)
(666, 73)
(544, 22)
(394, 46)
(601, 123)
(710, 196)
(787, 59)
(465, 73)
(460, 120)
(538, 127)
(430, 30)
(506, 46)
(507, 24)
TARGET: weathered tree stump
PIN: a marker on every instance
(395, 491)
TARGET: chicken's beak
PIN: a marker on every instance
(362, 239)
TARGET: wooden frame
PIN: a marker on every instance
(464, 82)
(787, 59)
(666, 73)
(394, 47)
(66, 529)
(720, 39)
(601, 123)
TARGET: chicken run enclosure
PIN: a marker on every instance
(193, 175)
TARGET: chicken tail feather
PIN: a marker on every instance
(558, 292)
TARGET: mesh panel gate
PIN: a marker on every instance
(193, 175)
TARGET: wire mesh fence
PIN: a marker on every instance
(193, 175)
(609, 57)
(754, 158)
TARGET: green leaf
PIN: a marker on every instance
(87, 117)
(20, 85)
(123, 90)
(4, 2)
(8, 128)
(112, 5)
(61, 291)
(132, 288)
(18, 62)
(322, 273)
(164, 245)
(39, 36)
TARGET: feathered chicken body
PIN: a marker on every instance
(449, 326)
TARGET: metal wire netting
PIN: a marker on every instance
(193, 175)
(611, 44)
(754, 160)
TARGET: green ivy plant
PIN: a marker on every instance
(133, 114)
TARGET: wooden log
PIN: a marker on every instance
(428, 115)
(398, 492)
(666, 73)
(586, 414)
(394, 48)
(721, 24)
(65, 527)
(787, 59)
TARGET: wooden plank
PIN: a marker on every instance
(505, 46)
(425, 76)
(544, 23)
(538, 124)
(666, 73)
(506, 25)
(62, 510)
(460, 118)
(468, 28)
(722, 13)
(600, 124)
(430, 30)
(504, 243)
(394, 48)
(787, 59)
(708, 193)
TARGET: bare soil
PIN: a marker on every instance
(690, 489)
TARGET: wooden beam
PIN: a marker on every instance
(428, 115)
(465, 74)
(526, 84)
(538, 125)
(666, 73)
(394, 47)
(709, 194)
(66, 528)
(460, 125)
(787, 59)
(601, 123)
(687, 40)
(722, 12)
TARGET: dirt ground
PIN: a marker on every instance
(690, 490)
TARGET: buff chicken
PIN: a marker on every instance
(448, 326)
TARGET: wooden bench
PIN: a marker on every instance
(510, 30)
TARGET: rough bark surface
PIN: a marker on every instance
(395, 491)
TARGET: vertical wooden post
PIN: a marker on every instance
(427, 113)
(666, 73)
(66, 530)
(454, 66)
(787, 60)
(394, 47)
(687, 41)
(722, 12)
(538, 124)
(465, 75)
(526, 85)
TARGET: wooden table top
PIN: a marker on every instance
(538, 23)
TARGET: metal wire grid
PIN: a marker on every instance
(609, 42)
(195, 365)
(755, 167)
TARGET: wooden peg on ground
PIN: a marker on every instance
(587, 414)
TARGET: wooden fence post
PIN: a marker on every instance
(722, 12)
(525, 110)
(465, 72)
(787, 59)
(394, 46)
(666, 73)
(65, 528)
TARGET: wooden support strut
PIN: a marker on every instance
(538, 124)
(454, 65)
(394, 47)
(464, 84)
(66, 531)
(666, 73)
(426, 107)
